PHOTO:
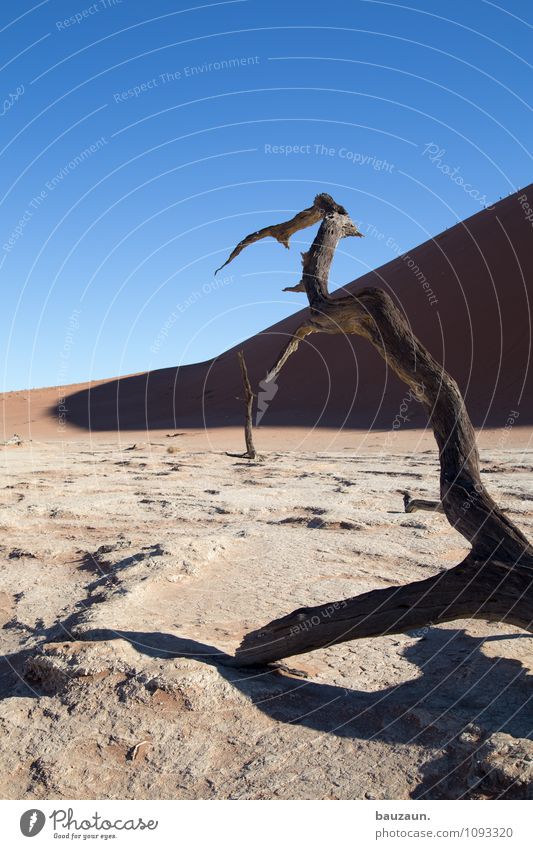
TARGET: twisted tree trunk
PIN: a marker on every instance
(495, 581)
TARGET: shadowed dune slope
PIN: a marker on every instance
(478, 324)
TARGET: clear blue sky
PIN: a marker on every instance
(141, 141)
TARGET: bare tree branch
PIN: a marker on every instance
(412, 504)
(251, 453)
(470, 590)
(292, 346)
(322, 204)
(249, 400)
(496, 580)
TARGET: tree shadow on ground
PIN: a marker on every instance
(457, 689)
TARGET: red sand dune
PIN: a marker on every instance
(480, 271)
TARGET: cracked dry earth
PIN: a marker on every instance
(128, 573)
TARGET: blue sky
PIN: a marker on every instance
(140, 141)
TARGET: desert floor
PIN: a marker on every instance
(131, 566)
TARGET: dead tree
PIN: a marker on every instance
(251, 453)
(494, 582)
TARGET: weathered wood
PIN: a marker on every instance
(495, 581)
(322, 205)
(471, 590)
(412, 504)
(251, 453)
(249, 401)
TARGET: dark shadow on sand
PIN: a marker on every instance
(457, 687)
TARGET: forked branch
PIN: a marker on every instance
(323, 204)
(496, 579)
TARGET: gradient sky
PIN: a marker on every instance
(136, 152)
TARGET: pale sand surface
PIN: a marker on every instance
(120, 560)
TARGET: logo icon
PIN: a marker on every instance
(267, 390)
(32, 822)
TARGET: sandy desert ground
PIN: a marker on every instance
(130, 569)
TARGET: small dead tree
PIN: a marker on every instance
(495, 581)
(251, 453)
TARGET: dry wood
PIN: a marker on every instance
(322, 204)
(495, 580)
(249, 401)
(412, 504)
(471, 590)
(251, 453)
